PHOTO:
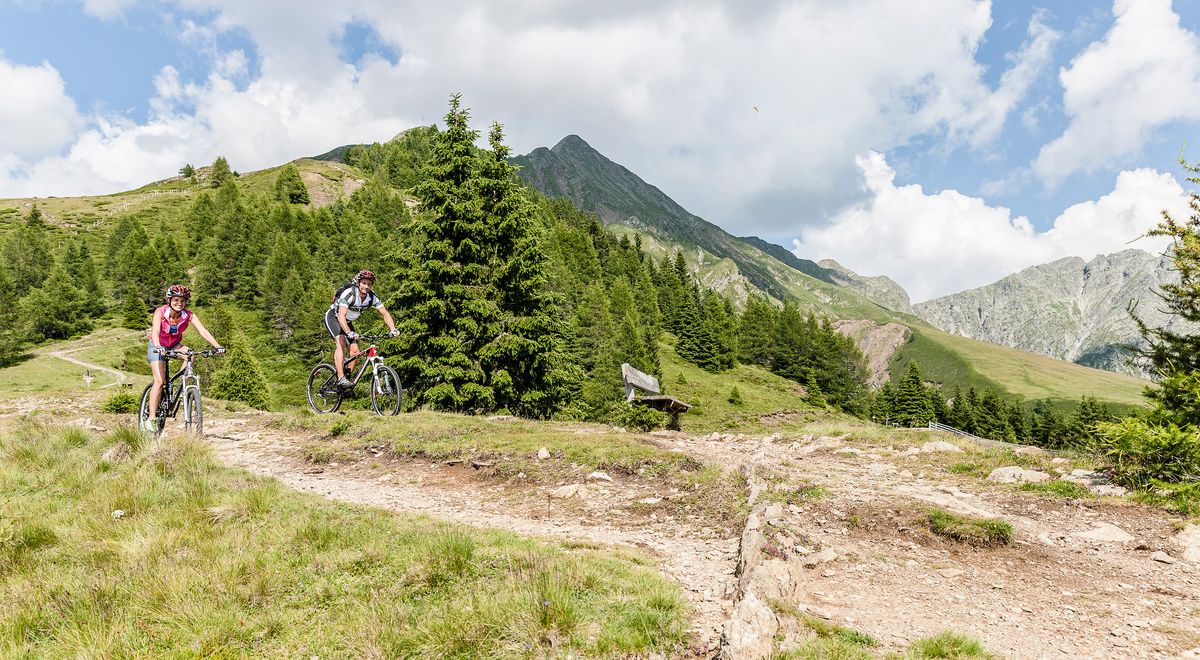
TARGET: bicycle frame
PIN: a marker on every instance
(372, 360)
(173, 395)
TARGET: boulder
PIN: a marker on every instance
(1105, 533)
(599, 476)
(569, 491)
(1162, 557)
(1013, 474)
(543, 454)
(1188, 541)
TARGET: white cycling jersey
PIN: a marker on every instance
(355, 304)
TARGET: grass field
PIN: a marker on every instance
(172, 555)
(1022, 374)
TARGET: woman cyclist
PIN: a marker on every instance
(166, 333)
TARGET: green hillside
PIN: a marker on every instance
(738, 266)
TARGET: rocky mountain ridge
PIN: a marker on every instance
(1068, 309)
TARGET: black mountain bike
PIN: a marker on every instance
(387, 395)
(183, 387)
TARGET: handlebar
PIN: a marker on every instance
(372, 338)
(170, 352)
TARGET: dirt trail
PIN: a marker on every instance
(696, 557)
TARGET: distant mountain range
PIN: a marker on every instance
(874, 310)
(1069, 309)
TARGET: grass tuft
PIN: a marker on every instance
(1057, 488)
(982, 532)
(948, 644)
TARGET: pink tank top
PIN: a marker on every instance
(169, 335)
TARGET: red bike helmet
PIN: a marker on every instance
(178, 291)
(364, 275)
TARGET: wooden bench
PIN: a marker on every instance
(637, 381)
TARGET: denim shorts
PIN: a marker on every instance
(151, 356)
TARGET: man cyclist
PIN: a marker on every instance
(339, 319)
(166, 333)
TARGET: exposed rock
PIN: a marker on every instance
(825, 556)
(713, 437)
(569, 491)
(878, 344)
(1162, 557)
(1064, 309)
(1030, 450)
(500, 418)
(599, 476)
(543, 454)
(1108, 490)
(1188, 540)
(879, 289)
(950, 572)
(1016, 474)
(849, 450)
(939, 445)
(1105, 533)
(750, 630)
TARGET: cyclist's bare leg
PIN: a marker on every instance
(159, 370)
(339, 354)
(353, 350)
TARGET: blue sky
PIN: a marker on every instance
(943, 143)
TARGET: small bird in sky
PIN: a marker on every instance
(755, 109)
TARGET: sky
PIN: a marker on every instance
(943, 143)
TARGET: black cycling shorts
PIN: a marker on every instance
(332, 325)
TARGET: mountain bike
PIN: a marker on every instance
(387, 395)
(182, 388)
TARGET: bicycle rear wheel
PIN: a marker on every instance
(193, 412)
(144, 411)
(324, 395)
(386, 393)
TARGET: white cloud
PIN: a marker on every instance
(1143, 74)
(639, 81)
(37, 118)
(107, 10)
(947, 242)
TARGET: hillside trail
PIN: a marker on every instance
(66, 354)
(1079, 581)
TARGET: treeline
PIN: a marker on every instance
(912, 402)
(508, 301)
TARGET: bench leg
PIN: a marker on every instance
(673, 425)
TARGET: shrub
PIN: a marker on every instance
(641, 418)
(949, 644)
(133, 360)
(1139, 453)
(120, 403)
(241, 379)
(735, 396)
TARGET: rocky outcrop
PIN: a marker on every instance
(1067, 309)
(877, 342)
(878, 289)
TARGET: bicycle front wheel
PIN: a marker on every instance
(194, 413)
(386, 393)
(144, 412)
(324, 395)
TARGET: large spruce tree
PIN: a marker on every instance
(447, 282)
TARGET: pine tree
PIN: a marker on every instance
(27, 253)
(241, 377)
(10, 343)
(289, 187)
(134, 314)
(445, 291)
(188, 171)
(524, 356)
(55, 313)
(82, 269)
(882, 408)
(756, 332)
(220, 173)
(913, 405)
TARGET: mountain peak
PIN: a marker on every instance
(572, 143)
